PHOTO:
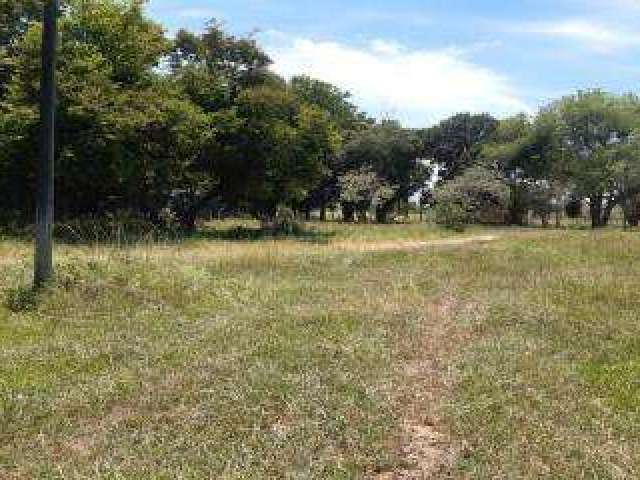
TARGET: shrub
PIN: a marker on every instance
(473, 197)
(283, 223)
(452, 215)
(22, 299)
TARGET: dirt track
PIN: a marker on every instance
(396, 245)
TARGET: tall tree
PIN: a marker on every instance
(120, 120)
(591, 124)
(527, 152)
(455, 143)
(274, 153)
(336, 102)
(215, 67)
(393, 153)
(348, 119)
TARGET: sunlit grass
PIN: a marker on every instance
(551, 388)
(292, 358)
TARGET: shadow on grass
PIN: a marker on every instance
(124, 238)
(257, 234)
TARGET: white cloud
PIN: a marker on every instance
(597, 37)
(419, 87)
(384, 47)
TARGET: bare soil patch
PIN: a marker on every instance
(424, 442)
(399, 245)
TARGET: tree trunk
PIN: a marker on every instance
(625, 216)
(362, 216)
(517, 217)
(348, 213)
(631, 209)
(595, 209)
(558, 219)
(516, 212)
(606, 216)
(632, 212)
(323, 213)
(545, 220)
(188, 222)
(384, 211)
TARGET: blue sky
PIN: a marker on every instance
(422, 60)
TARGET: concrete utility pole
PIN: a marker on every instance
(45, 195)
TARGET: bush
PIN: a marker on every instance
(22, 299)
(452, 215)
(284, 223)
(473, 197)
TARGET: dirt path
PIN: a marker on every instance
(423, 441)
(400, 245)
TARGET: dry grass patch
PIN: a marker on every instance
(425, 442)
(400, 245)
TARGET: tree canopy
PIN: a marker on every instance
(165, 127)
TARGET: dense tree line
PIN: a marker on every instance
(163, 128)
(580, 150)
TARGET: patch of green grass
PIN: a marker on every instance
(251, 364)
(21, 299)
(283, 358)
(548, 390)
(617, 382)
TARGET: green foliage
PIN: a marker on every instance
(332, 100)
(275, 153)
(452, 214)
(582, 146)
(15, 16)
(393, 154)
(215, 67)
(455, 144)
(595, 128)
(479, 195)
(119, 121)
(364, 189)
(22, 299)
(543, 200)
(166, 127)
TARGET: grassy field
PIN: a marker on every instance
(355, 352)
